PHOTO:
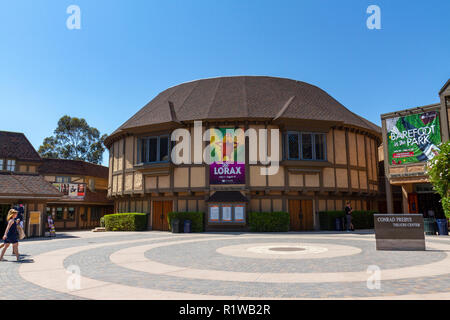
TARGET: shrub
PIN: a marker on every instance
(438, 170)
(126, 222)
(360, 219)
(268, 221)
(195, 217)
(102, 222)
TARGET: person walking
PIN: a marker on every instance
(10, 236)
(348, 216)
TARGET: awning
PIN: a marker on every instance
(227, 196)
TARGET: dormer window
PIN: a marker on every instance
(10, 165)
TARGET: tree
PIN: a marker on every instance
(438, 170)
(74, 139)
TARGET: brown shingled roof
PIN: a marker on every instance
(245, 97)
(16, 146)
(73, 167)
(26, 186)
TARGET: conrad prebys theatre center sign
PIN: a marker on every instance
(228, 156)
(399, 232)
(413, 138)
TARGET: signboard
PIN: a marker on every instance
(214, 213)
(399, 232)
(413, 138)
(228, 156)
(72, 190)
(226, 213)
(35, 217)
(239, 213)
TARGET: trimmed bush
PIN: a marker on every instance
(195, 217)
(126, 222)
(360, 219)
(102, 222)
(268, 221)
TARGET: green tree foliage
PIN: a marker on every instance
(74, 139)
(438, 170)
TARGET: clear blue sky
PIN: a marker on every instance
(128, 51)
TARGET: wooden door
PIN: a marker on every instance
(294, 212)
(160, 211)
(413, 203)
(301, 213)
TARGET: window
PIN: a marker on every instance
(154, 149)
(71, 214)
(59, 214)
(293, 144)
(319, 140)
(11, 165)
(1, 164)
(95, 214)
(63, 179)
(305, 146)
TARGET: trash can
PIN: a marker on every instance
(187, 226)
(429, 226)
(442, 227)
(176, 226)
(338, 224)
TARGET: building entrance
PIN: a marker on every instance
(4, 208)
(301, 213)
(160, 212)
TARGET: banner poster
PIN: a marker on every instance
(71, 190)
(413, 138)
(227, 156)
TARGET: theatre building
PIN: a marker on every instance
(328, 154)
(411, 138)
(83, 186)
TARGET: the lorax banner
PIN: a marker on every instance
(413, 138)
(228, 155)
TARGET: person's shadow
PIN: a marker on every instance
(22, 260)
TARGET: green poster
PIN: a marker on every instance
(413, 138)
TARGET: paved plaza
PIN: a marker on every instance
(161, 265)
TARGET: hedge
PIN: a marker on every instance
(195, 217)
(126, 222)
(268, 221)
(360, 219)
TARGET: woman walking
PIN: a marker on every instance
(10, 236)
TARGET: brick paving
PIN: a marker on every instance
(96, 264)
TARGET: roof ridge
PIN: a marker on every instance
(188, 96)
(244, 89)
(214, 96)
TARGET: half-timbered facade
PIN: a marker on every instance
(328, 154)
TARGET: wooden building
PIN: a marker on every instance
(406, 155)
(84, 193)
(328, 154)
(20, 183)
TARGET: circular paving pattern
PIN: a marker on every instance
(156, 265)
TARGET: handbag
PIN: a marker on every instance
(21, 233)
